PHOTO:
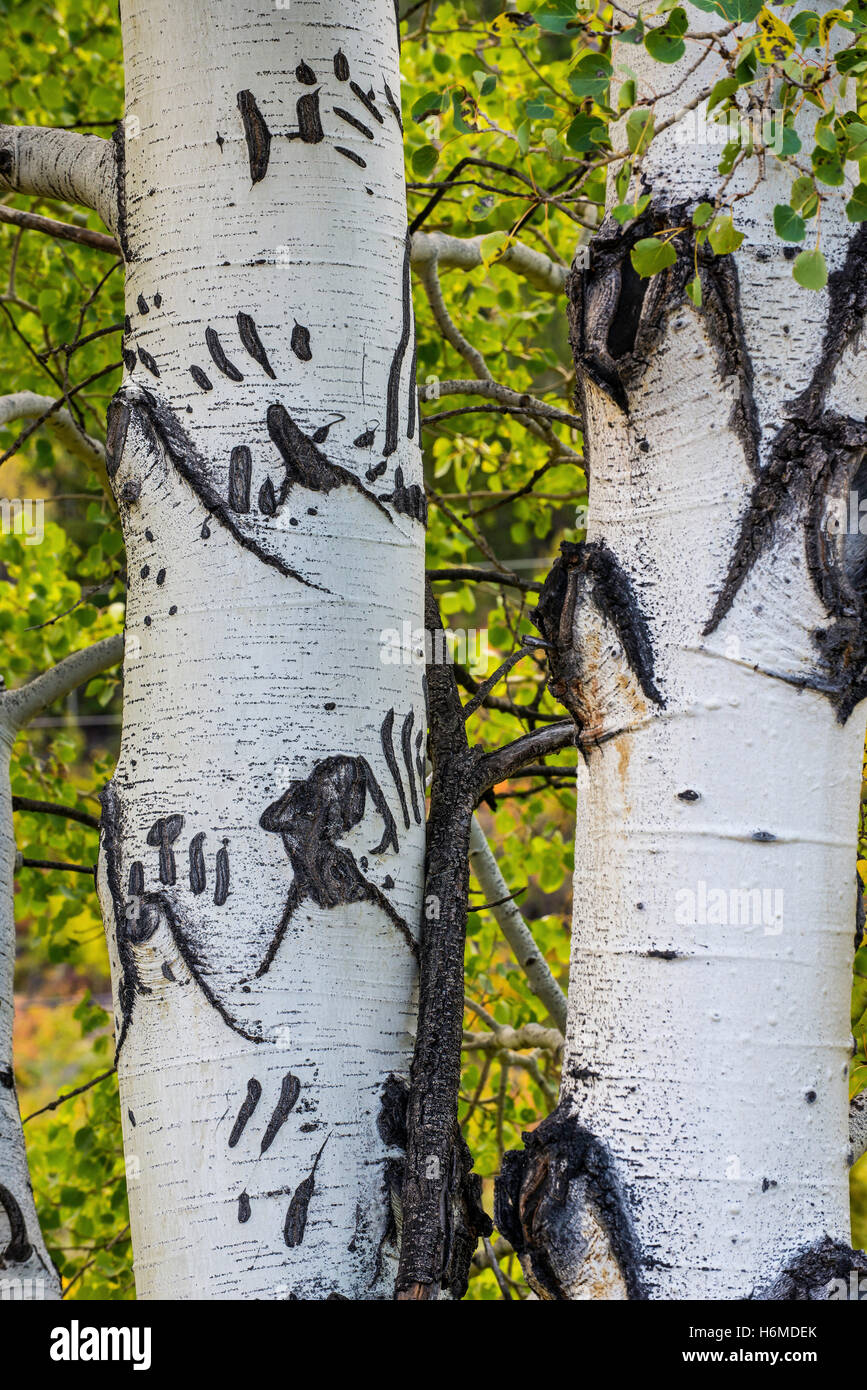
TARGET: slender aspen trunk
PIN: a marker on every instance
(262, 849)
(710, 645)
(26, 1270)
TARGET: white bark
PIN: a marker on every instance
(26, 1271)
(261, 583)
(60, 164)
(709, 1054)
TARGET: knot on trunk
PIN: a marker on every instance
(560, 1205)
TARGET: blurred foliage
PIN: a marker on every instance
(525, 99)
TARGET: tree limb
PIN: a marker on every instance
(22, 705)
(61, 164)
(504, 762)
(62, 231)
(466, 254)
(514, 928)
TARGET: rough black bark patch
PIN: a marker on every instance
(305, 463)
(300, 343)
(19, 1248)
(296, 1216)
(248, 1105)
(221, 361)
(253, 343)
(118, 139)
(240, 473)
(562, 1164)
(807, 1275)
(590, 573)
(311, 816)
(256, 134)
(392, 403)
(290, 1090)
(408, 500)
(169, 438)
(138, 916)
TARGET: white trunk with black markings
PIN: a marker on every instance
(26, 1272)
(711, 648)
(262, 848)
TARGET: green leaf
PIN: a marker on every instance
(702, 213)
(693, 289)
(585, 132)
(810, 270)
(723, 236)
(492, 247)
(639, 129)
(626, 95)
(424, 160)
(485, 82)
(590, 76)
(780, 138)
(828, 168)
(650, 255)
(787, 224)
(624, 212)
(431, 104)
(856, 208)
(724, 88)
(666, 44)
(802, 191)
(742, 11)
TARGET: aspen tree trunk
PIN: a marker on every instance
(26, 1270)
(262, 849)
(710, 645)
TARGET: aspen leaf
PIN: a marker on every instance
(650, 255)
(775, 41)
(810, 270)
(787, 223)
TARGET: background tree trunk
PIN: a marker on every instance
(710, 647)
(262, 849)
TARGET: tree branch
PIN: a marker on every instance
(28, 405)
(22, 705)
(62, 231)
(51, 808)
(514, 928)
(465, 254)
(505, 762)
(61, 164)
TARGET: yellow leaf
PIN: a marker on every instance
(827, 22)
(511, 23)
(862, 870)
(775, 39)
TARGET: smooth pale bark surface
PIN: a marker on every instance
(268, 551)
(714, 895)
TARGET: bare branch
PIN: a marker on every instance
(514, 928)
(61, 164)
(28, 405)
(505, 762)
(20, 706)
(62, 231)
(51, 808)
(465, 254)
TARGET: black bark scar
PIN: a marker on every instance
(306, 465)
(19, 1248)
(311, 817)
(253, 343)
(290, 1090)
(248, 1105)
(296, 1217)
(535, 1197)
(168, 437)
(590, 572)
(257, 135)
